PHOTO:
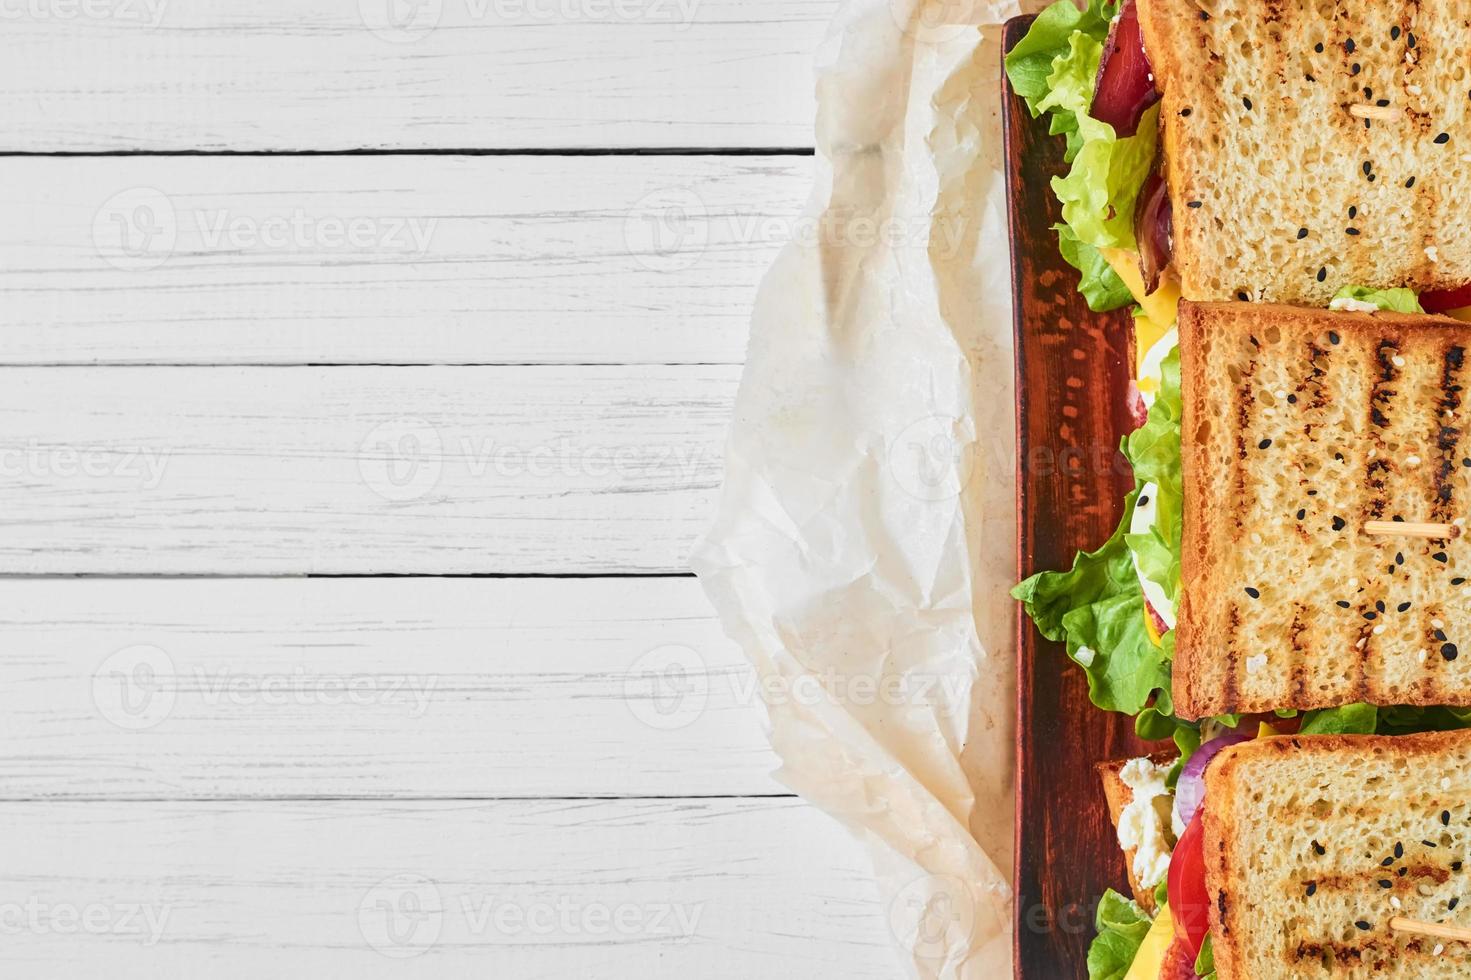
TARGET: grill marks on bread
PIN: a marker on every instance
(1297, 833)
(1299, 425)
(1299, 158)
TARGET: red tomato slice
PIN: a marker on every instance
(1440, 300)
(1189, 899)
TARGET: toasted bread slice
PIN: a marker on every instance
(1313, 843)
(1119, 795)
(1300, 426)
(1280, 191)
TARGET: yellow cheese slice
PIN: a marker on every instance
(1160, 305)
(1150, 631)
(1152, 951)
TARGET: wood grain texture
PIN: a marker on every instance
(400, 260)
(1072, 374)
(663, 889)
(339, 74)
(358, 470)
(372, 688)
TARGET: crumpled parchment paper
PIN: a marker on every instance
(864, 543)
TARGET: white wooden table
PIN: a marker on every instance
(363, 392)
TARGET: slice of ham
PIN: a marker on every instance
(1125, 85)
(1138, 411)
(1154, 230)
(1179, 963)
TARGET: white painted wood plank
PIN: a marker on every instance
(281, 471)
(712, 889)
(418, 260)
(368, 688)
(338, 74)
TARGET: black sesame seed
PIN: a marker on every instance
(1348, 46)
(1312, 493)
(1389, 570)
(1194, 204)
(1381, 103)
(1301, 513)
(1343, 603)
(1455, 865)
(1302, 233)
(1445, 818)
(1401, 871)
(1402, 607)
(1355, 68)
(1399, 557)
(1351, 231)
(1323, 273)
(1373, 177)
(1362, 925)
(1394, 33)
(1386, 883)
(1410, 182)
(1292, 400)
(1368, 167)
(1254, 593)
(1443, 139)
(1449, 651)
(1368, 92)
(1441, 557)
(1246, 102)
(1186, 111)
(1333, 339)
(1318, 47)
(1264, 444)
(1399, 850)
(1398, 518)
(1451, 905)
(1319, 849)
(1339, 524)
(1429, 843)
(1241, 295)
(1371, 615)
(1440, 635)
(1142, 501)
(1353, 210)
(1379, 605)
(1410, 39)
(1312, 888)
(1466, 460)
(1458, 581)
(1386, 862)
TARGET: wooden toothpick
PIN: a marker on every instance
(1412, 529)
(1401, 924)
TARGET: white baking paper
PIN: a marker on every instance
(864, 543)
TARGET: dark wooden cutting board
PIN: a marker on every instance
(1072, 372)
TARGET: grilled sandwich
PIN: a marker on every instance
(1313, 844)
(1309, 144)
(1300, 427)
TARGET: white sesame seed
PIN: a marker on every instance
(1398, 361)
(1379, 629)
(1439, 948)
(1412, 459)
(1282, 395)
(1432, 253)
(1393, 900)
(1423, 655)
(1437, 624)
(1353, 583)
(1256, 537)
(1360, 645)
(1412, 89)
(1445, 782)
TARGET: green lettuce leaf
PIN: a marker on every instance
(1122, 926)
(1099, 192)
(1205, 963)
(1100, 285)
(1398, 300)
(1351, 719)
(1029, 64)
(1097, 610)
(1154, 451)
